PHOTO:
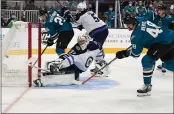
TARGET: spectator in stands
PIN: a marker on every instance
(150, 7)
(16, 7)
(3, 4)
(110, 17)
(12, 18)
(140, 9)
(3, 23)
(23, 18)
(130, 9)
(30, 6)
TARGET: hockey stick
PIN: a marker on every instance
(80, 83)
(37, 58)
(38, 68)
(33, 66)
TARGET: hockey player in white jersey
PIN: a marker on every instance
(69, 66)
(95, 28)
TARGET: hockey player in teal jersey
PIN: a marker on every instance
(160, 44)
(160, 19)
(59, 27)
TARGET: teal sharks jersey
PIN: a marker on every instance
(147, 33)
(55, 23)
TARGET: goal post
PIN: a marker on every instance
(17, 47)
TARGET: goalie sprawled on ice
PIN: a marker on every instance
(69, 66)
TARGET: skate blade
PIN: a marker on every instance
(143, 94)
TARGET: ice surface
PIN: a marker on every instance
(120, 97)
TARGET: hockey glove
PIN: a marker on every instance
(50, 42)
(66, 13)
(80, 27)
(121, 54)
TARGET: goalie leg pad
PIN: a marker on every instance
(104, 72)
(100, 56)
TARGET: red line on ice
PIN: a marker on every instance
(15, 101)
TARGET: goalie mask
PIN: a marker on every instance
(83, 41)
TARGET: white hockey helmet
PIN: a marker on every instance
(172, 9)
(81, 7)
(83, 40)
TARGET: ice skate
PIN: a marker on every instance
(163, 70)
(38, 83)
(144, 91)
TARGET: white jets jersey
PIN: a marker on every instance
(89, 20)
(82, 59)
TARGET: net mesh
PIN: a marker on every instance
(14, 66)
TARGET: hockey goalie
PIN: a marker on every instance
(69, 66)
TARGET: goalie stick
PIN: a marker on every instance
(33, 66)
(40, 55)
(80, 83)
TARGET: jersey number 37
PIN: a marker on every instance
(154, 30)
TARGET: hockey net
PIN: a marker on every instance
(15, 70)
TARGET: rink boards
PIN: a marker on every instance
(117, 39)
